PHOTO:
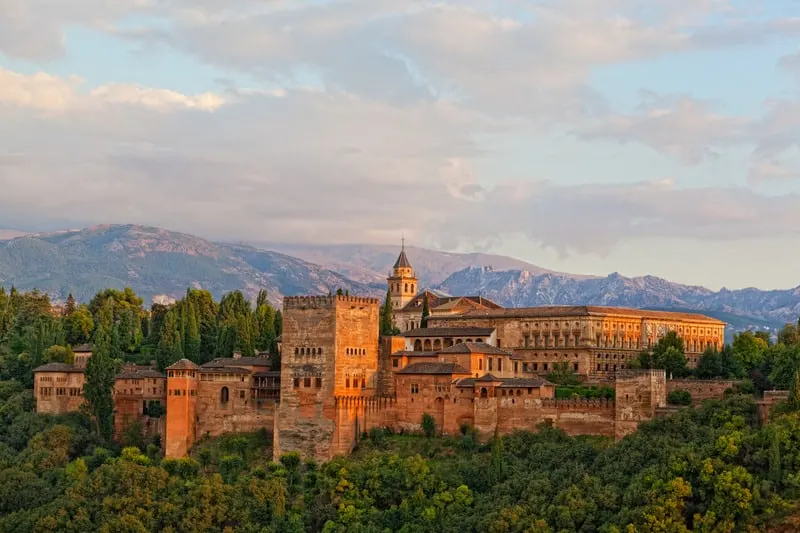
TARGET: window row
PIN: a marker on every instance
(438, 344)
(308, 351)
(355, 351)
(306, 382)
(355, 383)
(181, 392)
(60, 391)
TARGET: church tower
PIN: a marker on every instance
(402, 281)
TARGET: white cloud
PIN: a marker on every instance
(48, 93)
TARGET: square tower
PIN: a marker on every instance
(402, 282)
(181, 408)
(329, 351)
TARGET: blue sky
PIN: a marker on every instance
(589, 136)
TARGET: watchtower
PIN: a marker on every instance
(330, 350)
(181, 408)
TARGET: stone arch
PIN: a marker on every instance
(484, 392)
(427, 347)
(417, 345)
(406, 287)
(448, 343)
(437, 344)
(224, 395)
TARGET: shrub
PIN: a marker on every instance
(679, 397)
(428, 425)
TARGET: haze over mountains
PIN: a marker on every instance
(160, 262)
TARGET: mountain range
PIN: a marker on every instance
(162, 263)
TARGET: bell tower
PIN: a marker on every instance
(402, 282)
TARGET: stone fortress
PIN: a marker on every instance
(474, 363)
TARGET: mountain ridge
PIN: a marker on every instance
(157, 262)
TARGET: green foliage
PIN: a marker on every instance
(387, 327)
(100, 372)
(426, 311)
(592, 391)
(428, 425)
(679, 397)
(668, 355)
(563, 374)
(749, 348)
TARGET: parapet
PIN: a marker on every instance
(325, 302)
(635, 375)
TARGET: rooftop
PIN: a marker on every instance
(474, 347)
(402, 260)
(82, 348)
(58, 367)
(236, 361)
(449, 332)
(556, 311)
(139, 372)
(521, 383)
(183, 364)
(434, 368)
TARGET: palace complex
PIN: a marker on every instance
(469, 362)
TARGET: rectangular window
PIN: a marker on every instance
(363, 383)
(490, 364)
(306, 382)
(414, 388)
(241, 394)
(319, 383)
(395, 363)
(296, 382)
(516, 367)
(347, 383)
(535, 367)
(499, 344)
(499, 364)
(544, 366)
(575, 367)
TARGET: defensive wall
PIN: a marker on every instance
(702, 389)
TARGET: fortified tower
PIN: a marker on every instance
(329, 351)
(181, 408)
(402, 282)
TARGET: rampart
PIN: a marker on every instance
(702, 389)
(305, 302)
(575, 417)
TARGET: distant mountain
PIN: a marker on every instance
(516, 288)
(6, 234)
(161, 263)
(157, 262)
(371, 263)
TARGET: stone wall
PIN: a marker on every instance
(240, 414)
(702, 389)
(638, 395)
(330, 349)
(58, 392)
(357, 415)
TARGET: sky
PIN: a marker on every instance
(587, 136)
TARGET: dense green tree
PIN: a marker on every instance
(191, 336)
(794, 392)
(749, 349)
(426, 311)
(387, 327)
(170, 349)
(79, 326)
(100, 372)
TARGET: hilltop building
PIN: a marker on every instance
(475, 364)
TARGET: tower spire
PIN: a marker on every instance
(402, 242)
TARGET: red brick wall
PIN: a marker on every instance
(701, 389)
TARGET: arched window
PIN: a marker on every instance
(223, 395)
(406, 287)
(412, 287)
(417, 345)
(437, 344)
(427, 345)
(480, 364)
(296, 351)
(484, 392)
(319, 351)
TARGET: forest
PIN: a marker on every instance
(707, 469)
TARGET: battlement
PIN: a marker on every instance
(325, 302)
(569, 404)
(634, 375)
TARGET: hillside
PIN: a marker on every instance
(371, 263)
(157, 262)
(742, 308)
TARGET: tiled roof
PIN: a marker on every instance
(402, 260)
(183, 364)
(487, 377)
(223, 370)
(557, 311)
(139, 372)
(442, 303)
(434, 368)
(412, 353)
(474, 347)
(267, 374)
(521, 383)
(241, 361)
(58, 367)
(449, 332)
(82, 348)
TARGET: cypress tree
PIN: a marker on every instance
(169, 348)
(794, 392)
(100, 372)
(387, 327)
(191, 343)
(70, 306)
(426, 311)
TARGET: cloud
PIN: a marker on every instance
(594, 218)
(680, 127)
(48, 93)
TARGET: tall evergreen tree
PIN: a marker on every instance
(426, 311)
(100, 372)
(387, 325)
(794, 392)
(70, 306)
(170, 347)
(191, 344)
